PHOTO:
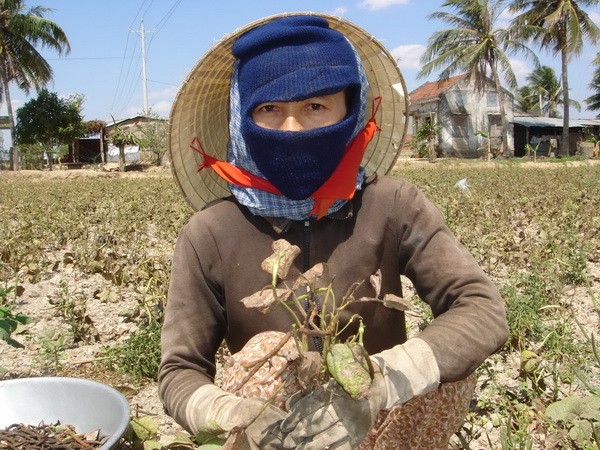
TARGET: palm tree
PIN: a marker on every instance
(593, 101)
(561, 26)
(21, 31)
(122, 138)
(476, 46)
(544, 84)
(526, 99)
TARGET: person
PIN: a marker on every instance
(285, 130)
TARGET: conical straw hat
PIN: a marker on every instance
(201, 110)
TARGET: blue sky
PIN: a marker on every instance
(105, 60)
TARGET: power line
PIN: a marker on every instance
(88, 58)
(119, 94)
(162, 82)
(121, 89)
(162, 22)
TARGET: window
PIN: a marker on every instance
(460, 98)
(492, 99)
(460, 126)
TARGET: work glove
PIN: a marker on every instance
(211, 412)
(329, 417)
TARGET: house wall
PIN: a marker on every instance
(542, 136)
(134, 125)
(463, 112)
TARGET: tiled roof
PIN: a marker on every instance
(433, 89)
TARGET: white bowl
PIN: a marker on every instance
(86, 405)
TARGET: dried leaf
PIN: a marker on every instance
(284, 254)
(375, 280)
(310, 277)
(394, 302)
(237, 440)
(266, 300)
(309, 369)
(92, 435)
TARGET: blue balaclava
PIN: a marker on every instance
(292, 59)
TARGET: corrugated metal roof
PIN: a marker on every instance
(549, 122)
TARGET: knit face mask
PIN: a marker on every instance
(292, 59)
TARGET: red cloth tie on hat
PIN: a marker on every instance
(341, 185)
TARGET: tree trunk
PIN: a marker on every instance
(14, 151)
(121, 158)
(564, 143)
(507, 148)
(102, 145)
(431, 150)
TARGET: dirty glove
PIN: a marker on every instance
(409, 369)
(330, 417)
(210, 411)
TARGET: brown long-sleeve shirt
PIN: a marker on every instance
(388, 226)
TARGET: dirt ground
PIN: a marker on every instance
(112, 325)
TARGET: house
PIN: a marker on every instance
(539, 132)
(135, 126)
(462, 111)
(97, 148)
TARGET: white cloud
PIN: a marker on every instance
(168, 92)
(380, 4)
(408, 56)
(162, 108)
(595, 16)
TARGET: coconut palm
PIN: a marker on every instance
(526, 100)
(560, 26)
(544, 84)
(593, 101)
(22, 31)
(475, 45)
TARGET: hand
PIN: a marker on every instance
(259, 422)
(329, 417)
(211, 412)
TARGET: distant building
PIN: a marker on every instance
(539, 132)
(97, 148)
(462, 111)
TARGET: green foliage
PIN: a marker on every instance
(73, 308)
(424, 140)
(50, 121)
(138, 355)
(580, 416)
(526, 100)
(535, 242)
(9, 322)
(122, 138)
(154, 138)
(547, 91)
(593, 101)
(53, 342)
(533, 230)
(23, 31)
(32, 156)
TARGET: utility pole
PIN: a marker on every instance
(144, 76)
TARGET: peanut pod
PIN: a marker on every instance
(349, 365)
